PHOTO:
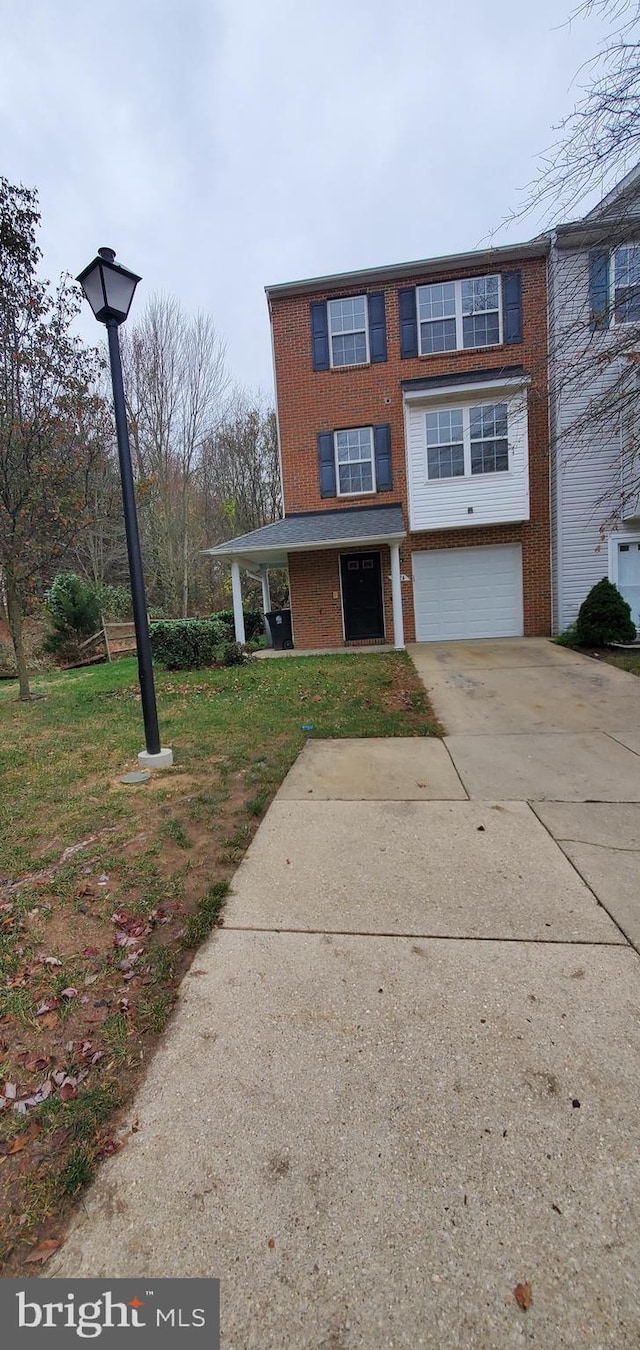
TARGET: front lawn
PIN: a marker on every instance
(105, 890)
(623, 660)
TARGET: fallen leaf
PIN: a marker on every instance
(68, 1090)
(42, 1252)
(10, 1091)
(522, 1295)
(21, 1140)
(50, 961)
(49, 1020)
(69, 993)
(90, 979)
(37, 1064)
(47, 1007)
(91, 951)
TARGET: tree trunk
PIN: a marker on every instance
(14, 612)
(185, 577)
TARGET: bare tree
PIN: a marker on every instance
(241, 472)
(600, 139)
(175, 381)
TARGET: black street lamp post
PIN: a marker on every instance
(109, 289)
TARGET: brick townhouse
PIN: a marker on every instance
(413, 427)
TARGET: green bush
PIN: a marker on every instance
(604, 617)
(568, 638)
(233, 654)
(72, 605)
(186, 644)
(253, 623)
(114, 602)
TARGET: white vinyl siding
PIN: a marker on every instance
(453, 315)
(586, 468)
(484, 497)
(468, 592)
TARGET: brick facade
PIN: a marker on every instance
(310, 402)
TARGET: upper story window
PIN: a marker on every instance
(355, 463)
(626, 284)
(465, 441)
(454, 315)
(348, 331)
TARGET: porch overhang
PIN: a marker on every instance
(335, 528)
(305, 532)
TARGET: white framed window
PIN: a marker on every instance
(625, 284)
(445, 444)
(348, 331)
(488, 438)
(453, 315)
(465, 441)
(355, 461)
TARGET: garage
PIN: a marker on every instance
(468, 592)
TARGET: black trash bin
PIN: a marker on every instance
(280, 627)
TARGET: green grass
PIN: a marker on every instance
(61, 757)
(158, 857)
(199, 925)
(629, 661)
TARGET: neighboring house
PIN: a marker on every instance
(413, 425)
(594, 308)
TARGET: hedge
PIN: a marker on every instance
(186, 644)
(253, 623)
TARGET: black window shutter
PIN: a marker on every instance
(599, 288)
(382, 450)
(320, 335)
(327, 464)
(408, 322)
(377, 327)
(512, 307)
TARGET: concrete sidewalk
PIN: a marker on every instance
(403, 1078)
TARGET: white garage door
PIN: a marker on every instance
(468, 593)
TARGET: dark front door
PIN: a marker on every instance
(362, 596)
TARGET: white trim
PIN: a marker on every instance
(396, 597)
(365, 492)
(266, 593)
(613, 543)
(613, 322)
(439, 391)
(384, 616)
(459, 315)
(238, 615)
(468, 476)
(345, 365)
(363, 541)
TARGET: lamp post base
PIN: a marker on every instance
(162, 760)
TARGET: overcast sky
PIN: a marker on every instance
(219, 145)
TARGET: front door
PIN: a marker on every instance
(629, 576)
(362, 596)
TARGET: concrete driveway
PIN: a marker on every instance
(403, 1078)
(531, 721)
